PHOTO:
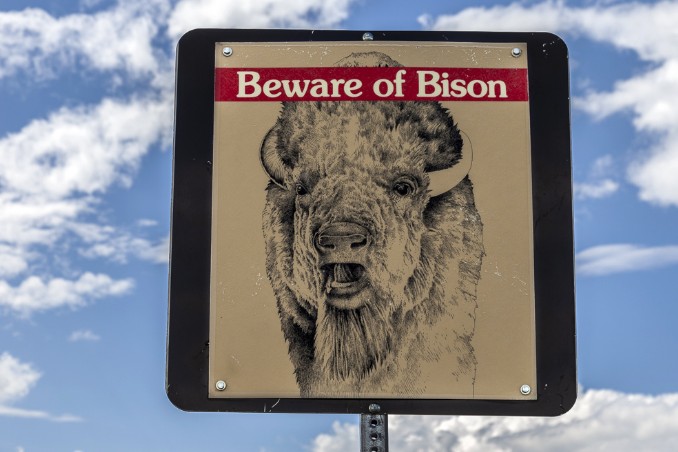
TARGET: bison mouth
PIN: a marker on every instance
(343, 281)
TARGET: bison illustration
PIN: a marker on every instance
(373, 244)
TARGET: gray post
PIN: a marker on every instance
(374, 431)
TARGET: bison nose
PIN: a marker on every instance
(341, 239)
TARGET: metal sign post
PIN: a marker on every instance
(374, 430)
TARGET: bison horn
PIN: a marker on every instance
(270, 159)
(442, 181)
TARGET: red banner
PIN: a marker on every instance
(370, 84)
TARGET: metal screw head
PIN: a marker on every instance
(525, 389)
(374, 408)
(227, 51)
(368, 37)
(221, 385)
(516, 52)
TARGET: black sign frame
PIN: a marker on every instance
(189, 281)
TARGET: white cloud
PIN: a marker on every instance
(83, 150)
(13, 260)
(623, 257)
(343, 437)
(616, 24)
(514, 17)
(84, 335)
(598, 184)
(16, 378)
(53, 174)
(119, 38)
(118, 246)
(600, 420)
(647, 95)
(189, 14)
(37, 414)
(53, 169)
(596, 190)
(16, 381)
(35, 295)
(157, 253)
(655, 175)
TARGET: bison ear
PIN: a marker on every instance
(442, 181)
(270, 158)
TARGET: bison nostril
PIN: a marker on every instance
(333, 242)
(359, 242)
(324, 242)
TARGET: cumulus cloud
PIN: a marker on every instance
(647, 95)
(54, 172)
(16, 381)
(83, 150)
(35, 295)
(116, 245)
(600, 420)
(623, 257)
(119, 248)
(189, 14)
(56, 168)
(343, 437)
(16, 378)
(14, 260)
(119, 38)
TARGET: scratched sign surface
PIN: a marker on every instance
(372, 222)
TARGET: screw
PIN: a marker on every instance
(368, 37)
(516, 52)
(227, 51)
(525, 389)
(374, 408)
(221, 385)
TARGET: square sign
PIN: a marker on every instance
(372, 218)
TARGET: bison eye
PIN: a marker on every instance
(301, 190)
(405, 186)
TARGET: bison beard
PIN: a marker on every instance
(373, 245)
(349, 343)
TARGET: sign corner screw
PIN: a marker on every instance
(516, 52)
(227, 51)
(221, 385)
(525, 389)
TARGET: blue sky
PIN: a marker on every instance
(86, 91)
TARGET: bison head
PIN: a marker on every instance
(357, 194)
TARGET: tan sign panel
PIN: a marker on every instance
(368, 267)
(372, 221)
